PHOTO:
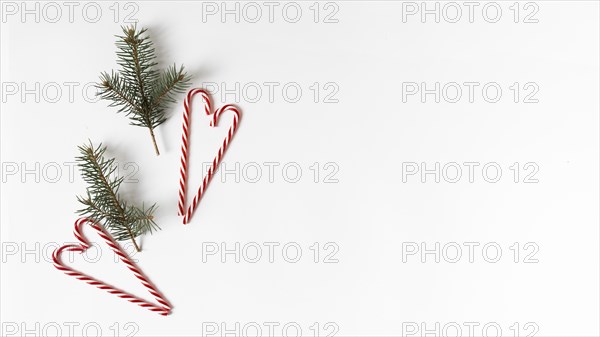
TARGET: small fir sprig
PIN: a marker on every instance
(102, 201)
(138, 89)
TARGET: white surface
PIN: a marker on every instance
(368, 134)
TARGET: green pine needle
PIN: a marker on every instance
(102, 201)
(138, 89)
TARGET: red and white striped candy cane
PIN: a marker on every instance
(163, 309)
(185, 142)
(185, 147)
(218, 157)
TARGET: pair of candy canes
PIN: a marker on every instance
(164, 307)
(187, 214)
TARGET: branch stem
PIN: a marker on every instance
(137, 248)
(154, 141)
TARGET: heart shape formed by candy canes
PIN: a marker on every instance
(163, 309)
(187, 214)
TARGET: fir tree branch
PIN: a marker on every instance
(140, 90)
(103, 203)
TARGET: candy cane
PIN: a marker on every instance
(218, 157)
(185, 142)
(164, 310)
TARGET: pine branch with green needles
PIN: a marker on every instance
(139, 90)
(102, 202)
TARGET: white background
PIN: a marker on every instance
(369, 217)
